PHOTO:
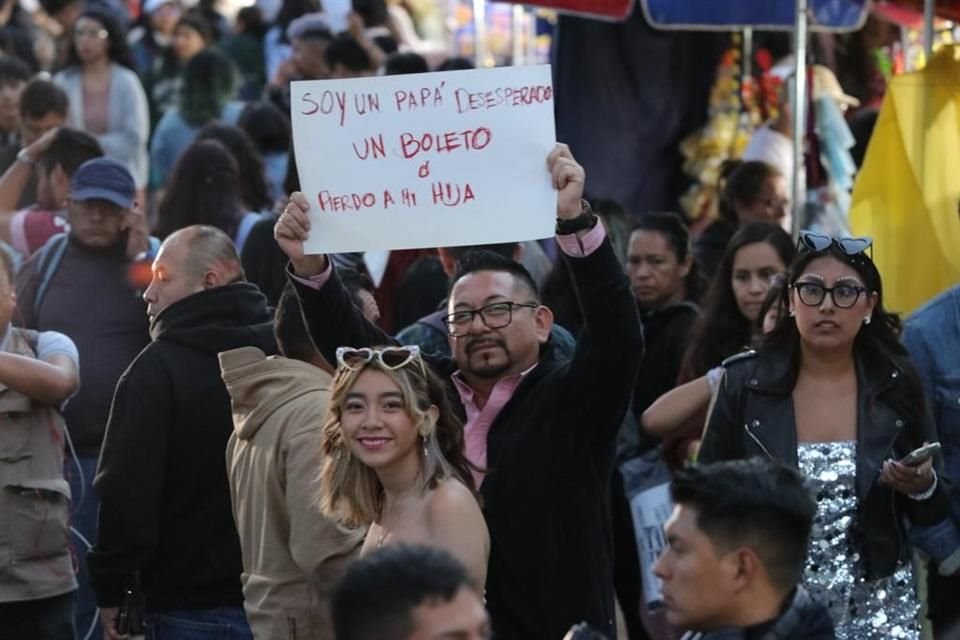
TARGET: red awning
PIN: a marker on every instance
(606, 9)
(909, 13)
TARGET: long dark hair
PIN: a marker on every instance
(118, 50)
(877, 344)
(741, 182)
(203, 189)
(254, 192)
(721, 330)
(208, 84)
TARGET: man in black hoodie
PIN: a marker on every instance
(736, 549)
(165, 502)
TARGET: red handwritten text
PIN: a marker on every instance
(469, 140)
(418, 99)
(451, 195)
(502, 97)
(326, 103)
(346, 202)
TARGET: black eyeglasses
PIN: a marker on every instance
(820, 242)
(813, 294)
(495, 316)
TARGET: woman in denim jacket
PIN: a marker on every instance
(932, 335)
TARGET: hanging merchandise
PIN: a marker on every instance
(738, 104)
(907, 193)
(829, 203)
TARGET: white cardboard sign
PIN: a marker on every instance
(426, 160)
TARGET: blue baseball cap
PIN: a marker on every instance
(103, 179)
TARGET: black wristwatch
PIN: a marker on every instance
(586, 220)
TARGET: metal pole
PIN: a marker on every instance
(746, 56)
(928, 27)
(519, 36)
(799, 188)
(480, 33)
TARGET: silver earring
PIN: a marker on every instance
(792, 313)
(425, 454)
(866, 320)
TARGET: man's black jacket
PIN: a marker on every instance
(550, 455)
(166, 508)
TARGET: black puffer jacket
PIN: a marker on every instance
(166, 509)
(802, 619)
(753, 415)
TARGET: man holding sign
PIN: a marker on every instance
(543, 429)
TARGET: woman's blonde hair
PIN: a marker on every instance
(351, 491)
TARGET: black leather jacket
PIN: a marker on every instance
(753, 415)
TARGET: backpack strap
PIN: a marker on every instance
(47, 261)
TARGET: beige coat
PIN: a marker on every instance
(292, 555)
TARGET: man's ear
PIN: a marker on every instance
(212, 280)
(543, 317)
(747, 567)
(686, 265)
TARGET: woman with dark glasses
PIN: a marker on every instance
(832, 391)
(394, 457)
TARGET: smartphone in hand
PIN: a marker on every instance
(921, 455)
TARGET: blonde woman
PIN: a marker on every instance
(395, 460)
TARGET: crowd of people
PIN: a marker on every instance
(211, 434)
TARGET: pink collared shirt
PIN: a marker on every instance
(478, 422)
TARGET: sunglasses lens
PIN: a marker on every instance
(395, 358)
(354, 358)
(853, 246)
(815, 241)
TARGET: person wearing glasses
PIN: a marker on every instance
(106, 97)
(832, 391)
(751, 191)
(394, 458)
(542, 427)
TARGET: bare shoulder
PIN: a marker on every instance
(451, 497)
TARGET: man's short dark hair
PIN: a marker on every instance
(485, 260)
(316, 33)
(68, 150)
(346, 51)
(755, 503)
(13, 70)
(377, 595)
(41, 97)
(400, 64)
(290, 328)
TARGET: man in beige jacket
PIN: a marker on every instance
(292, 554)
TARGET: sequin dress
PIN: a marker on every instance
(861, 609)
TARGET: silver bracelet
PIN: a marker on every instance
(929, 492)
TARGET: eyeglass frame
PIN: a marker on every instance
(860, 289)
(510, 304)
(376, 354)
(818, 242)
